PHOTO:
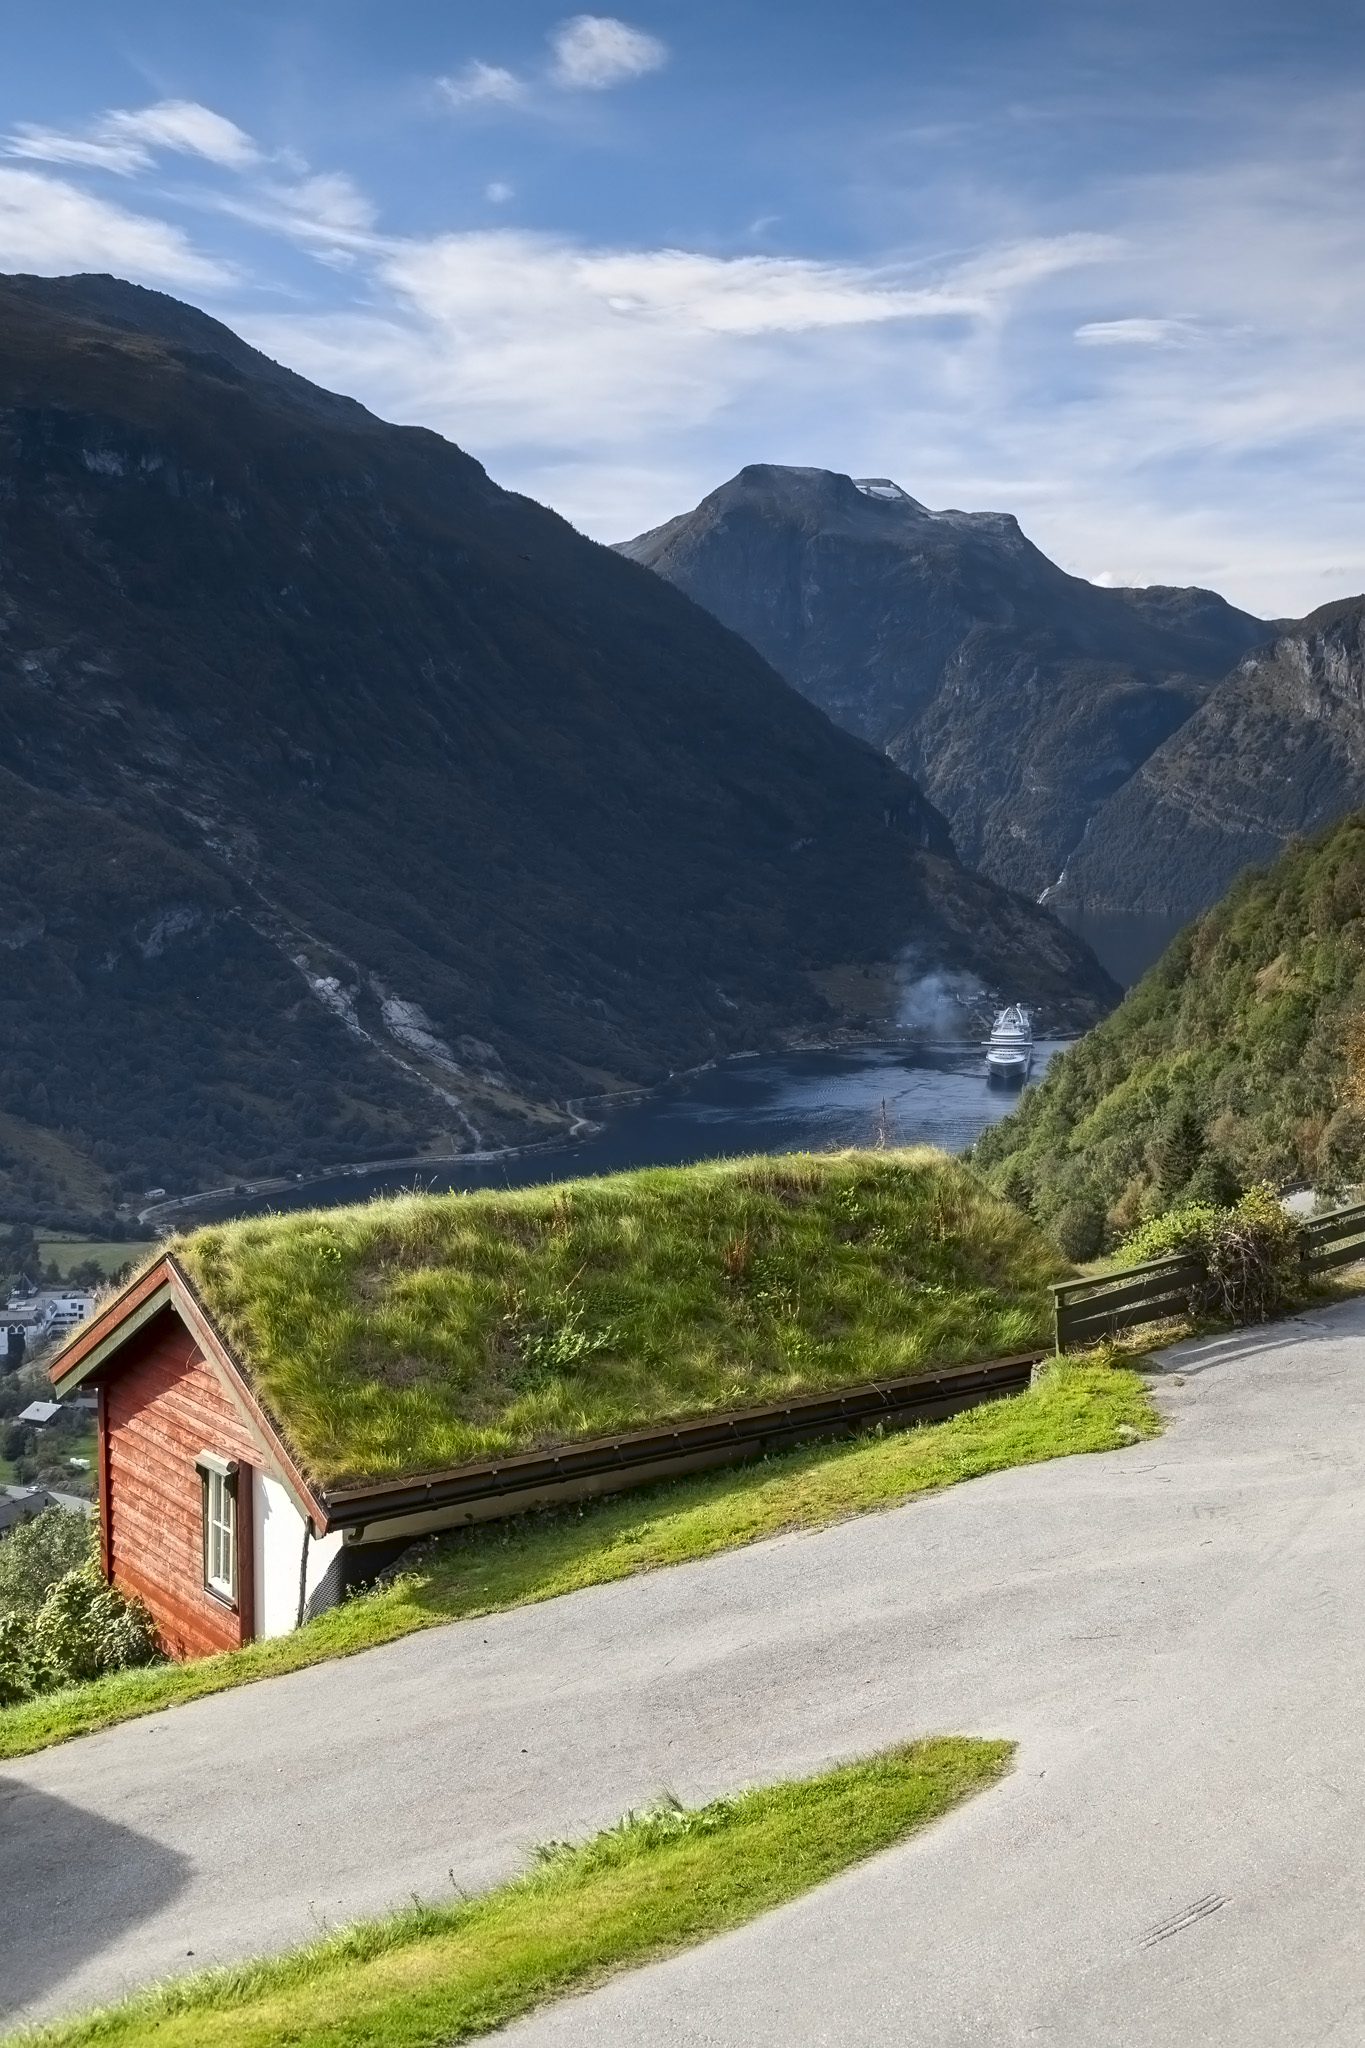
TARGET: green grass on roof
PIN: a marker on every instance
(406, 1335)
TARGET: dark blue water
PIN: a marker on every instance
(770, 1102)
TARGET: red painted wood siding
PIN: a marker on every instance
(163, 1404)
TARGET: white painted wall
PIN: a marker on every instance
(279, 1547)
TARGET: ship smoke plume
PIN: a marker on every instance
(939, 1003)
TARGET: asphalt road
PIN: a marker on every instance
(1172, 1633)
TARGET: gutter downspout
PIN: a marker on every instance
(303, 1570)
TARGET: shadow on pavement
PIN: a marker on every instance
(1199, 1354)
(70, 1883)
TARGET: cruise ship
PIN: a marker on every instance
(1009, 1052)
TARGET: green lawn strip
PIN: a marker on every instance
(656, 1883)
(1078, 1405)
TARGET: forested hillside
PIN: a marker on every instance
(1239, 1057)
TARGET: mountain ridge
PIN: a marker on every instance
(1277, 750)
(355, 807)
(1018, 697)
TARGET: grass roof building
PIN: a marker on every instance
(285, 1403)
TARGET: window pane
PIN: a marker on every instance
(222, 1533)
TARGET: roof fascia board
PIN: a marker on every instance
(809, 1413)
(134, 1305)
(164, 1297)
(210, 1339)
(167, 1285)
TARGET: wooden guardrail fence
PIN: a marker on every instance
(1334, 1240)
(1086, 1311)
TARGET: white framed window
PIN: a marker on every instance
(218, 1477)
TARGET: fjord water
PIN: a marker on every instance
(764, 1102)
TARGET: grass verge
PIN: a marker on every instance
(657, 1882)
(1077, 1405)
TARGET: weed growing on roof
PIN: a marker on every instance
(416, 1333)
(657, 1882)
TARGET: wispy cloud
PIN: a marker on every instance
(593, 52)
(483, 85)
(49, 225)
(125, 140)
(1136, 333)
(588, 53)
(186, 126)
(55, 146)
(513, 341)
(324, 210)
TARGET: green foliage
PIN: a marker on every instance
(1227, 1065)
(19, 1675)
(1076, 1406)
(659, 1881)
(1078, 1228)
(411, 1334)
(1186, 1229)
(1341, 1149)
(1213, 1181)
(1250, 1253)
(83, 1630)
(1176, 1149)
(38, 1553)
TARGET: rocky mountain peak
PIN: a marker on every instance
(1277, 749)
(1019, 697)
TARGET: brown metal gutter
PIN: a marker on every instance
(610, 1464)
(506, 1486)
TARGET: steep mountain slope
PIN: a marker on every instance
(1018, 696)
(1278, 748)
(1239, 1057)
(354, 807)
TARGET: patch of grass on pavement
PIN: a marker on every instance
(658, 1882)
(1077, 1405)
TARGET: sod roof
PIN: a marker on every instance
(409, 1335)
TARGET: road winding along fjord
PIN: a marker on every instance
(1172, 1633)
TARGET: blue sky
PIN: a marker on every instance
(1102, 266)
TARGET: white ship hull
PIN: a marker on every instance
(1009, 1055)
(1009, 1063)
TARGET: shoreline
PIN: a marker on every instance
(165, 1216)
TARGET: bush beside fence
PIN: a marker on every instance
(1235, 1268)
